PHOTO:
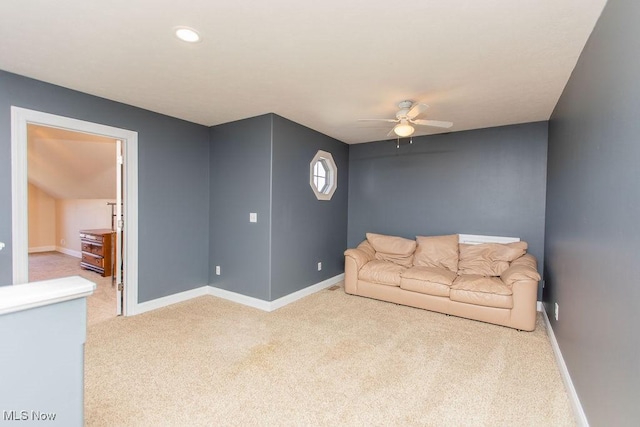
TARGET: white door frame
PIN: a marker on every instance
(20, 118)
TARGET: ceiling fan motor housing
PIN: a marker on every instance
(405, 106)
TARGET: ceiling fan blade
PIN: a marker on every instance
(417, 110)
(392, 132)
(434, 123)
(378, 120)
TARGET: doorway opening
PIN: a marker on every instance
(72, 178)
(82, 212)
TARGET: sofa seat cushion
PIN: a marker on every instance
(437, 251)
(430, 274)
(381, 272)
(481, 290)
(428, 280)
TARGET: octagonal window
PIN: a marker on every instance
(323, 175)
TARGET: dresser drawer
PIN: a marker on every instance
(94, 249)
(93, 260)
(92, 237)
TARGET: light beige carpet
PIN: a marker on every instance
(101, 305)
(328, 359)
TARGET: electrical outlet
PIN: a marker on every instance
(63, 242)
(253, 217)
(319, 266)
(556, 311)
(217, 270)
(543, 284)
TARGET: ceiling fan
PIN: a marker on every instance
(406, 119)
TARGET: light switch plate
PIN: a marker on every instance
(217, 270)
(319, 266)
(253, 217)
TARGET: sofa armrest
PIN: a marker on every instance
(354, 260)
(523, 268)
(523, 277)
(526, 259)
(360, 257)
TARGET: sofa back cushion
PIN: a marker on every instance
(397, 250)
(437, 251)
(489, 259)
(366, 247)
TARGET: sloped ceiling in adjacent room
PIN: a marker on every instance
(71, 165)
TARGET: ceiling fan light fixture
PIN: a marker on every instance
(403, 130)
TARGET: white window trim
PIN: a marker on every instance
(332, 177)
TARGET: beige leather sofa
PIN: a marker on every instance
(490, 282)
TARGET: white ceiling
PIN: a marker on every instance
(322, 64)
(71, 165)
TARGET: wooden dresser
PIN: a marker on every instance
(98, 250)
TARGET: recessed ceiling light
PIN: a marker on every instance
(187, 34)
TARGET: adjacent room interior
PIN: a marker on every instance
(72, 189)
(277, 141)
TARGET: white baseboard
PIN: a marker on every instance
(235, 297)
(581, 417)
(143, 307)
(240, 299)
(42, 249)
(288, 299)
(280, 302)
(68, 252)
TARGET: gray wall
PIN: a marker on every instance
(173, 182)
(240, 161)
(487, 181)
(261, 165)
(42, 362)
(592, 232)
(305, 230)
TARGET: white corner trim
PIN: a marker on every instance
(38, 249)
(37, 294)
(143, 307)
(288, 299)
(240, 299)
(540, 306)
(581, 417)
(70, 252)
